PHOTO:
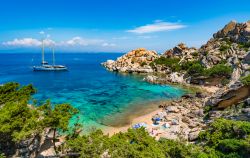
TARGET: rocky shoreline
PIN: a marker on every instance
(223, 62)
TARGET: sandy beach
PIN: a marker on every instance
(145, 115)
(147, 118)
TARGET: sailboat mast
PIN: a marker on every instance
(53, 55)
(43, 52)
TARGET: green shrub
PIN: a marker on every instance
(19, 120)
(196, 70)
(143, 64)
(2, 155)
(219, 70)
(206, 53)
(228, 41)
(225, 81)
(133, 143)
(228, 137)
(223, 138)
(195, 54)
(223, 61)
(245, 80)
(188, 64)
(245, 46)
(224, 47)
(172, 63)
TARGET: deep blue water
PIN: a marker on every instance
(97, 93)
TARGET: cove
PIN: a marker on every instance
(101, 96)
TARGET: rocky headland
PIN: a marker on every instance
(222, 64)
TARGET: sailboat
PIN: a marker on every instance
(45, 65)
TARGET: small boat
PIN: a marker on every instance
(45, 65)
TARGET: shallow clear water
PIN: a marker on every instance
(97, 93)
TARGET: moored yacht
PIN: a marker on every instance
(45, 65)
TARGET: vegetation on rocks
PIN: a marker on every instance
(219, 70)
(224, 138)
(245, 46)
(133, 143)
(228, 138)
(196, 70)
(172, 63)
(224, 47)
(21, 121)
(246, 80)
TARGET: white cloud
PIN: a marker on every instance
(79, 41)
(75, 42)
(108, 44)
(157, 26)
(42, 32)
(25, 42)
(28, 42)
(49, 42)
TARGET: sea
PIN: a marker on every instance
(101, 96)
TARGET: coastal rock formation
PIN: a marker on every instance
(134, 61)
(236, 32)
(230, 45)
(183, 52)
(240, 111)
(227, 52)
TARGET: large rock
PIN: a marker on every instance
(183, 52)
(236, 32)
(247, 58)
(229, 27)
(193, 136)
(134, 61)
(176, 77)
(229, 95)
(172, 109)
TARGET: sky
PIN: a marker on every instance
(113, 25)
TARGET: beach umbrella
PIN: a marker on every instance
(139, 125)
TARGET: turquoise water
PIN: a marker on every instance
(98, 94)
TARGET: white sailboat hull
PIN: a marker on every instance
(50, 68)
